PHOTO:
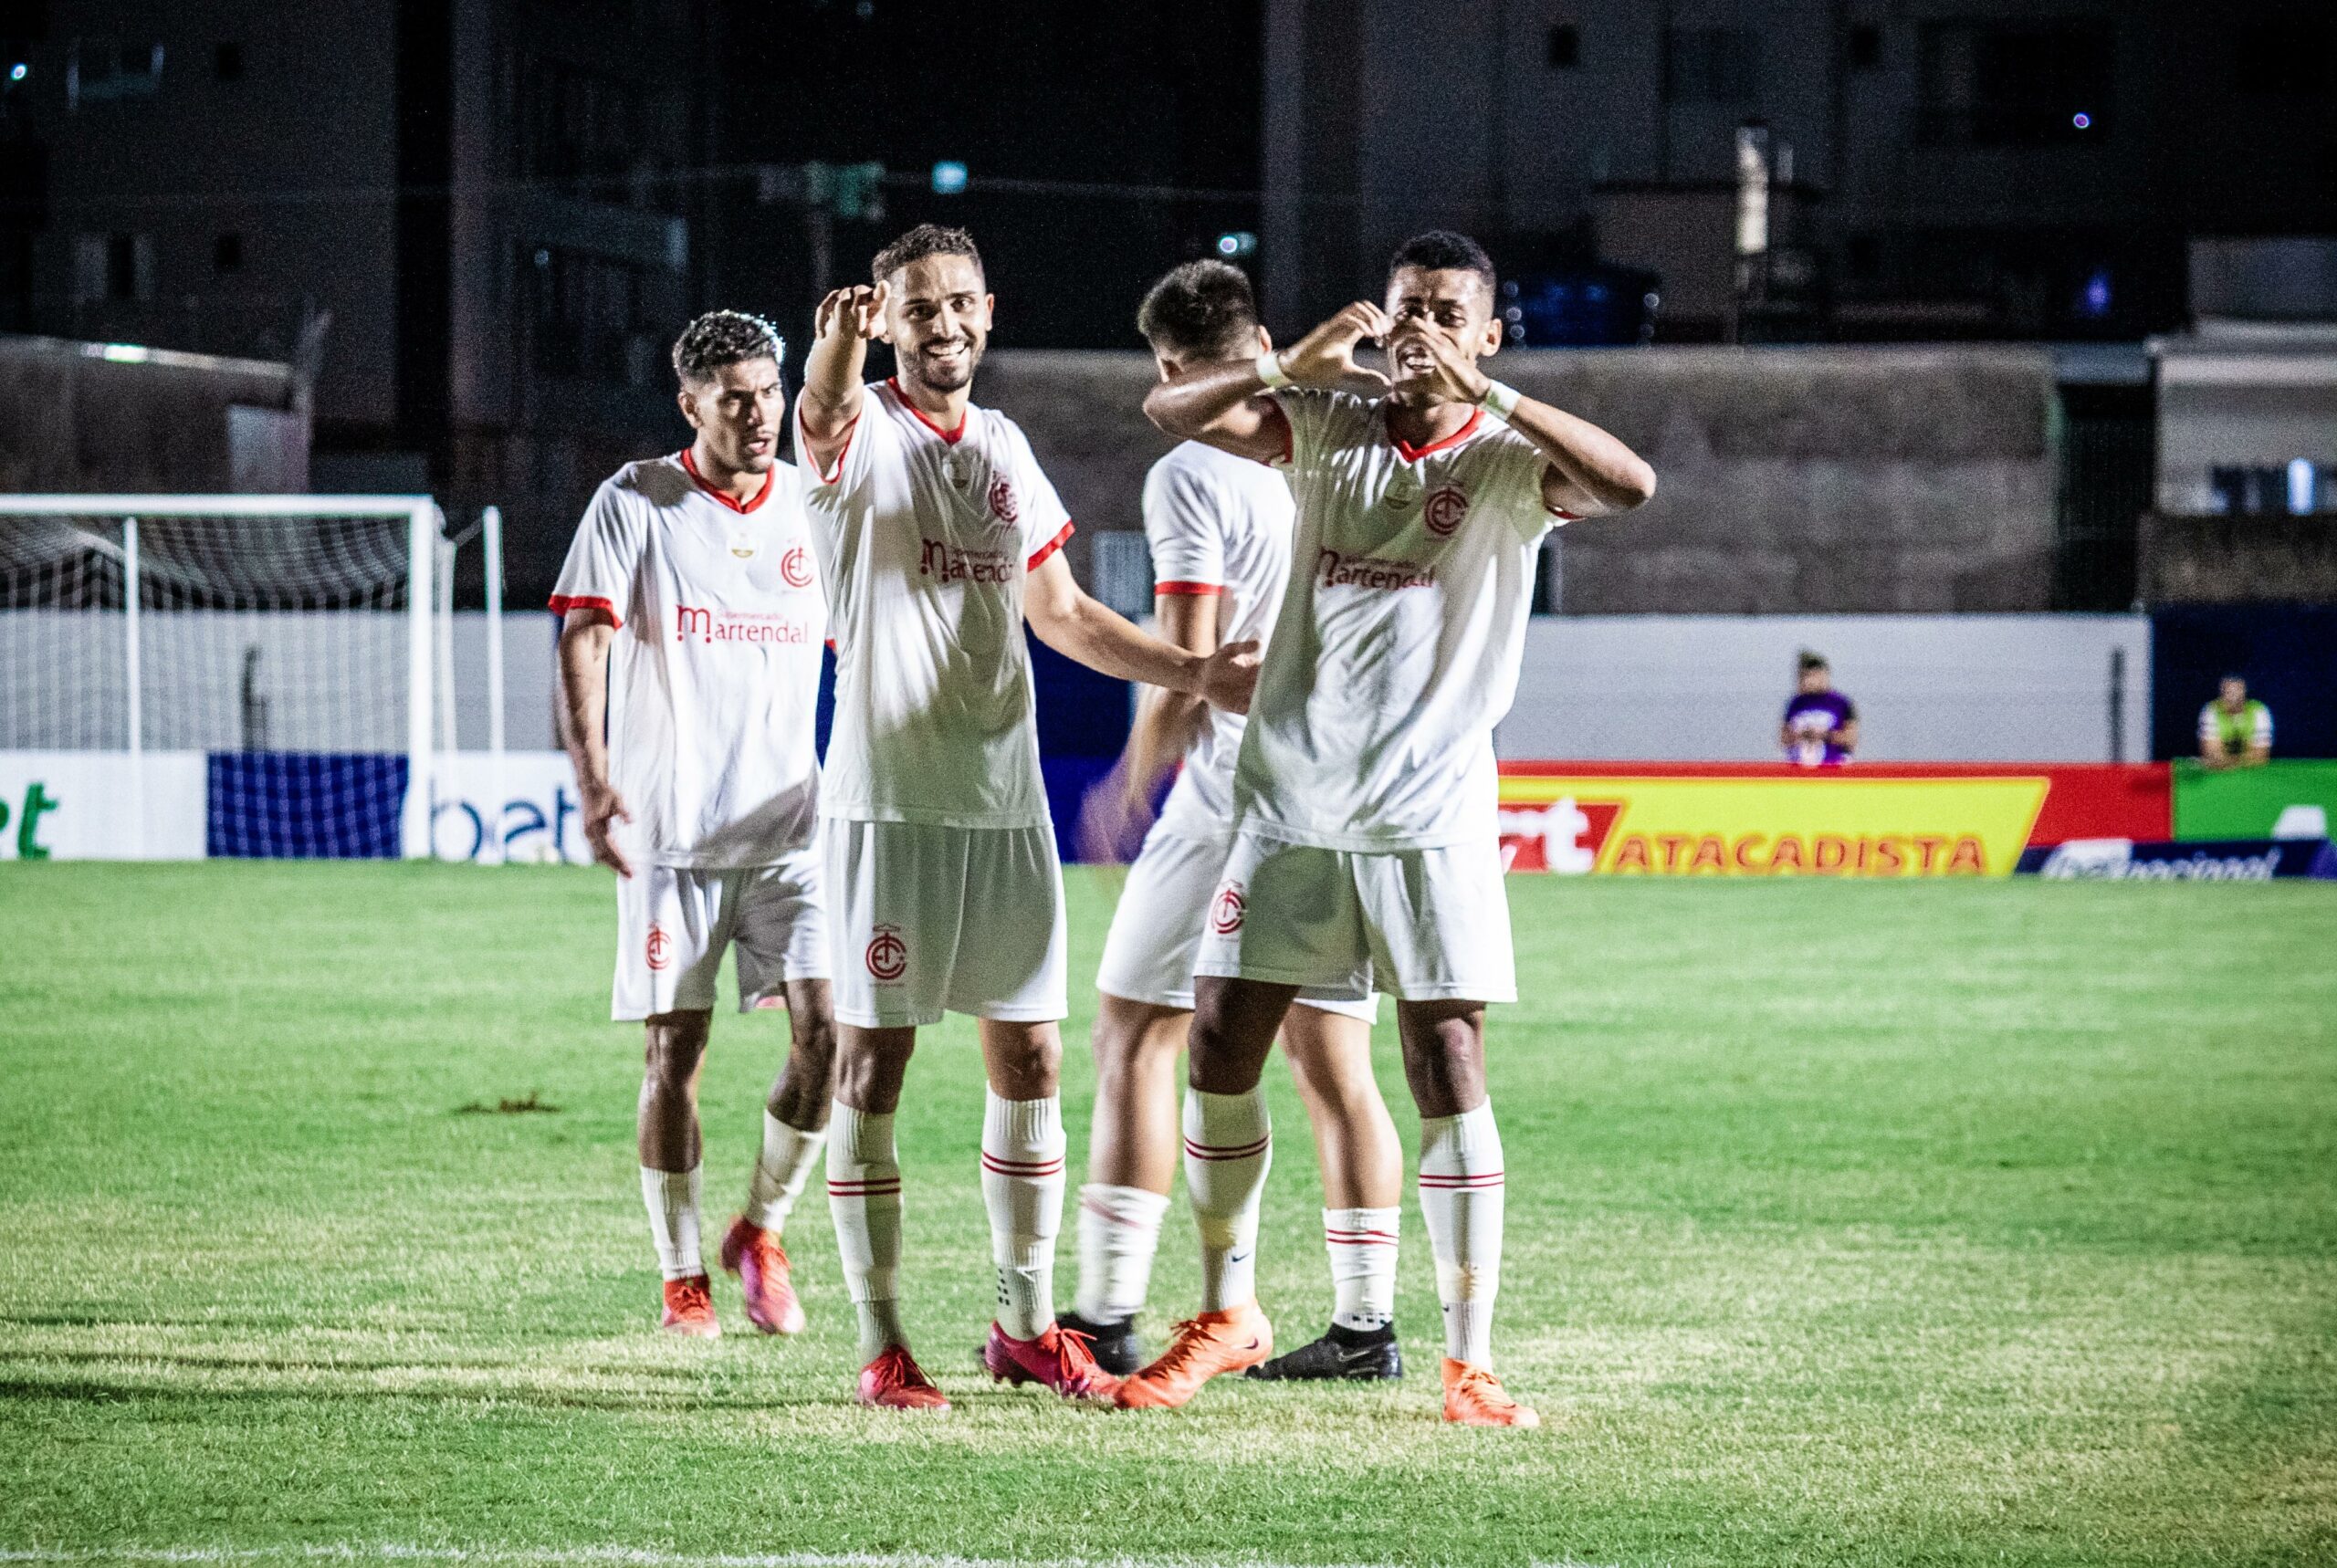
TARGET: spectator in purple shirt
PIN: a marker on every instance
(1822, 727)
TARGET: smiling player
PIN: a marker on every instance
(939, 538)
(1366, 833)
(691, 627)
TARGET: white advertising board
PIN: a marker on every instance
(537, 819)
(101, 805)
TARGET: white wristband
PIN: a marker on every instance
(1500, 401)
(1269, 368)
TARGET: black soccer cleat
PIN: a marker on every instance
(1115, 1345)
(1341, 1356)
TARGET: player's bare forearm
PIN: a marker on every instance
(830, 403)
(584, 639)
(1590, 473)
(1078, 627)
(1223, 405)
(1166, 721)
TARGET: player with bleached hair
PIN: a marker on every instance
(1365, 829)
(939, 538)
(692, 623)
(1220, 530)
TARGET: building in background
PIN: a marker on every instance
(1934, 168)
(474, 223)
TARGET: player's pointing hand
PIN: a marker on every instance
(1326, 357)
(858, 310)
(1230, 675)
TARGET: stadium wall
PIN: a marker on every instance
(1932, 688)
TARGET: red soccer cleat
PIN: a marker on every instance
(755, 1255)
(1204, 1346)
(1059, 1358)
(1474, 1396)
(689, 1308)
(893, 1381)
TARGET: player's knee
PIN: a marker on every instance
(675, 1045)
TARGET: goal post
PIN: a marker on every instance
(261, 631)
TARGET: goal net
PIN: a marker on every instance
(278, 648)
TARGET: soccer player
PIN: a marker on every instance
(2234, 729)
(1365, 825)
(939, 538)
(691, 630)
(1820, 728)
(1220, 530)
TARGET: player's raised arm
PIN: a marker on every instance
(830, 404)
(1079, 627)
(585, 638)
(1589, 473)
(1220, 403)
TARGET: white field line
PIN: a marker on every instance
(620, 1557)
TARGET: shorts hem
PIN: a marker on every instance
(1489, 995)
(1270, 976)
(856, 1019)
(1052, 1013)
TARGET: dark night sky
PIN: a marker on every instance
(1139, 92)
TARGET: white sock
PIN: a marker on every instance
(671, 1197)
(1119, 1231)
(865, 1199)
(1460, 1200)
(1022, 1148)
(1362, 1243)
(780, 1173)
(1228, 1148)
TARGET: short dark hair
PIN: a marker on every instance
(1203, 308)
(926, 239)
(722, 338)
(1813, 660)
(1442, 250)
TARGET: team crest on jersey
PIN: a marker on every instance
(742, 544)
(659, 948)
(1445, 509)
(1402, 491)
(889, 954)
(1228, 909)
(1003, 503)
(795, 567)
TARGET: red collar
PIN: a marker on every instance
(951, 436)
(1410, 453)
(737, 505)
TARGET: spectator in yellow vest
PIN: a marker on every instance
(2234, 730)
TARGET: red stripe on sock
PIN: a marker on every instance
(862, 1188)
(1359, 1238)
(1447, 1183)
(1242, 1152)
(1018, 1167)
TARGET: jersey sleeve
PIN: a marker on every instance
(1041, 515)
(1182, 526)
(603, 558)
(1517, 467)
(2209, 729)
(2263, 732)
(1307, 413)
(844, 475)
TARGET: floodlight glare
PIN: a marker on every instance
(948, 178)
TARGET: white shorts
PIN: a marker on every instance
(672, 924)
(1157, 929)
(931, 918)
(1423, 925)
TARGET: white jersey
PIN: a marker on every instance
(925, 537)
(1221, 524)
(1397, 646)
(714, 677)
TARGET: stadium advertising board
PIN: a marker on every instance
(1755, 820)
(101, 805)
(539, 820)
(2217, 860)
(2253, 802)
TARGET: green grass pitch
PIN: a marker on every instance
(1848, 1224)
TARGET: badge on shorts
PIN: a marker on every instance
(887, 955)
(1227, 909)
(659, 949)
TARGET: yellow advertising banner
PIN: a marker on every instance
(1719, 826)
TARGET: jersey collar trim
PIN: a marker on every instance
(737, 505)
(1410, 453)
(925, 419)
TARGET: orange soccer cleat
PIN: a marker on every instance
(1474, 1396)
(1060, 1359)
(689, 1308)
(893, 1381)
(1204, 1346)
(755, 1255)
